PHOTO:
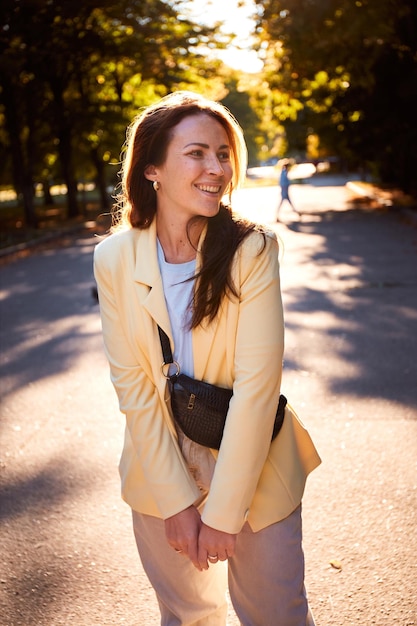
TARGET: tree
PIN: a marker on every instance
(353, 68)
(79, 70)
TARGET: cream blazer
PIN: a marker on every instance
(253, 479)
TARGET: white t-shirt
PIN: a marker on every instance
(178, 298)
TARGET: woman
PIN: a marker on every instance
(180, 260)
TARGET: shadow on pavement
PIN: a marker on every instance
(36, 548)
(367, 286)
(29, 494)
(43, 308)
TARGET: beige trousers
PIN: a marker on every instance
(265, 576)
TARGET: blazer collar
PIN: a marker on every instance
(146, 268)
(147, 273)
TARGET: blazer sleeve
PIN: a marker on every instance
(258, 355)
(155, 447)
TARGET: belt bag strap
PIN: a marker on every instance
(166, 346)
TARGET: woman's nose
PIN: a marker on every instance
(214, 166)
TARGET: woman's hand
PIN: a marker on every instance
(182, 532)
(214, 545)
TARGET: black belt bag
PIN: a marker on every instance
(199, 408)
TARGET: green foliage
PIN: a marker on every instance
(352, 68)
(74, 74)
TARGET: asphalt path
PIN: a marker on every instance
(349, 278)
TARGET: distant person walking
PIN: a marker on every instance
(285, 182)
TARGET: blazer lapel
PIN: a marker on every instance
(147, 273)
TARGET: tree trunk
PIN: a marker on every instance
(64, 132)
(100, 179)
(47, 196)
(22, 176)
(65, 155)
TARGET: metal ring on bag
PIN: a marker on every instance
(165, 368)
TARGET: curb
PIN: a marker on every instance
(369, 191)
(32, 243)
(373, 193)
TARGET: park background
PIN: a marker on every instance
(333, 83)
(330, 85)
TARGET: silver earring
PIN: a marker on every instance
(155, 185)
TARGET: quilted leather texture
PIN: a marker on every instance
(201, 409)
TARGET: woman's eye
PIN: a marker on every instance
(224, 156)
(196, 153)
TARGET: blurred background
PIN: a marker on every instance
(330, 83)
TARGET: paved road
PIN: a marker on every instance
(350, 289)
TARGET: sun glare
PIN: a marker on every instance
(237, 18)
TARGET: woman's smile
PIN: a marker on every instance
(209, 188)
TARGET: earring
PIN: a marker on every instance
(155, 185)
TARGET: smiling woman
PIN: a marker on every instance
(185, 267)
(139, 203)
(191, 181)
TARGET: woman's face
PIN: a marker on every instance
(197, 168)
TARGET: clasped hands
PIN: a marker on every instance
(203, 545)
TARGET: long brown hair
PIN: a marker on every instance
(225, 233)
(147, 140)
